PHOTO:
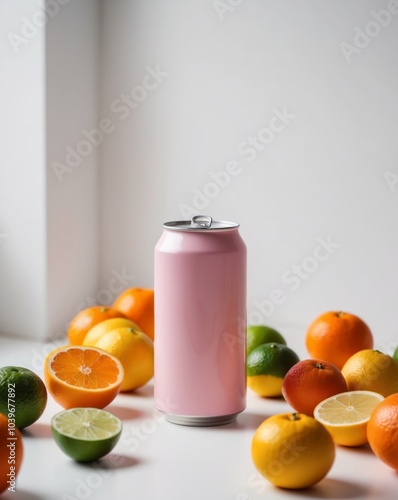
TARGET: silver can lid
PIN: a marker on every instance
(200, 223)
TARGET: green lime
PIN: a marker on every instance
(86, 434)
(267, 365)
(261, 334)
(395, 355)
(23, 395)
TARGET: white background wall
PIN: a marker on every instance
(23, 253)
(322, 176)
(225, 67)
(49, 91)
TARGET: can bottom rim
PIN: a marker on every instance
(194, 421)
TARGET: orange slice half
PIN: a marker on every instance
(78, 376)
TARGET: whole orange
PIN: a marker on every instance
(137, 304)
(335, 336)
(86, 319)
(11, 453)
(382, 431)
(309, 382)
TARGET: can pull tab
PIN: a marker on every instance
(201, 221)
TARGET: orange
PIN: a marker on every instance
(382, 431)
(309, 382)
(335, 336)
(135, 351)
(78, 376)
(371, 370)
(137, 304)
(86, 319)
(292, 450)
(11, 453)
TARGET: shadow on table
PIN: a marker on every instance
(145, 391)
(37, 430)
(333, 488)
(20, 494)
(246, 420)
(112, 461)
(123, 412)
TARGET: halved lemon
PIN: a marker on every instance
(346, 415)
(78, 376)
(86, 434)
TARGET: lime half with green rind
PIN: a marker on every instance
(86, 434)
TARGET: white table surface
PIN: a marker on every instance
(155, 459)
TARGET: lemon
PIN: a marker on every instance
(261, 334)
(135, 351)
(22, 394)
(267, 365)
(292, 450)
(346, 415)
(371, 370)
(86, 434)
(97, 331)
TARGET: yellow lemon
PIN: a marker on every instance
(346, 415)
(97, 331)
(134, 350)
(371, 370)
(292, 450)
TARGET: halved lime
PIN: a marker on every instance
(86, 434)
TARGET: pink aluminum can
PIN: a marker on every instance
(200, 322)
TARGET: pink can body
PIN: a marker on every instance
(200, 323)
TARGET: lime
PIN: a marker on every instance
(261, 334)
(267, 365)
(86, 434)
(23, 395)
(395, 355)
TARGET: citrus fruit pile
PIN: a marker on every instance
(110, 349)
(346, 388)
(125, 331)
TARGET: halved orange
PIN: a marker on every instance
(78, 376)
